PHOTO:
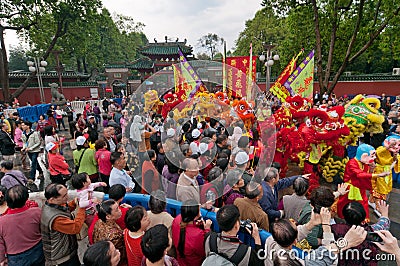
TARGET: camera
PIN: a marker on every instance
(199, 223)
(246, 224)
(317, 209)
(373, 237)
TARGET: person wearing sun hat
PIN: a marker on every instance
(86, 156)
(58, 167)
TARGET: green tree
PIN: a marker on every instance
(203, 56)
(40, 20)
(17, 59)
(211, 42)
(343, 30)
(264, 28)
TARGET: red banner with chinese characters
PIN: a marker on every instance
(237, 73)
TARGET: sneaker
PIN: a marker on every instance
(372, 205)
(377, 213)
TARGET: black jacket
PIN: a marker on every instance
(7, 145)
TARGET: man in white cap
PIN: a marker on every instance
(170, 142)
(242, 163)
(194, 145)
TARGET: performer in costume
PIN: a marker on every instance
(358, 175)
(387, 158)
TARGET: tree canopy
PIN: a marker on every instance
(346, 35)
(86, 33)
(211, 43)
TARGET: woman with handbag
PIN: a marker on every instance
(59, 172)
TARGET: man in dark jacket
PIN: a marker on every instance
(7, 144)
(92, 129)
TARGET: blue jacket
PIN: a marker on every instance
(269, 200)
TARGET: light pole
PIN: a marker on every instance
(269, 62)
(38, 66)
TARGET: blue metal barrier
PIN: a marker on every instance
(117, 100)
(28, 113)
(42, 109)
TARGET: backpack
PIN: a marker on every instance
(214, 258)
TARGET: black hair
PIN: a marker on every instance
(7, 164)
(225, 151)
(300, 186)
(159, 146)
(17, 196)
(3, 191)
(105, 208)
(48, 130)
(222, 163)
(150, 154)
(52, 190)
(243, 142)
(227, 216)
(119, 145)
(27, 123)
(354, 213)
(98, 254)
(115, 156)
(133, 218)
(214, 173)
(154, 243)
(172, 168)
(158, 201)
(252, 190)
(276, 165)
(78, 180)
(116, 192)
(221, 138)
(322, 196)
(189, 210)
(283, 232)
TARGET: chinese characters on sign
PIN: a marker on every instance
(238, 68)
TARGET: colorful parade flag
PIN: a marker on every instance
(278, 89)
(301, 81)
(238, 69)
(224, 69)
(249, 83)
(187, 82)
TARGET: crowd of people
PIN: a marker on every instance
(200, 161)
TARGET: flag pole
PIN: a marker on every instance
(224, 69)
(249, 75)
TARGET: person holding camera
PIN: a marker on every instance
(227, 242)
(188, 233)
(249, 207)
(354, 214)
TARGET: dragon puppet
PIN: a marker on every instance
(152, 102)
(170, 101)
(293, 110)
(245, 112)
(317, 138)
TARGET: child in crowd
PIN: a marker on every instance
(84, 186)
(137, 221)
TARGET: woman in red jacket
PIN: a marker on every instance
(59, 172)
(188, 231)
